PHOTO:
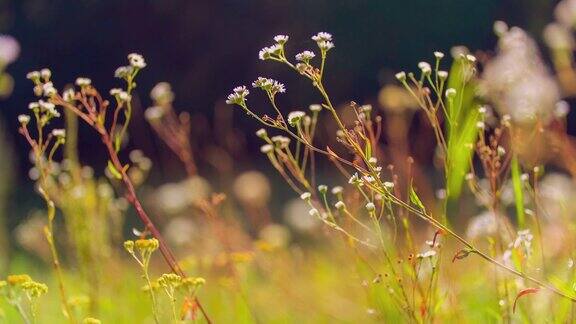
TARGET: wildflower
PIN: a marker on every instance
(34, 289)
(322, 37)
(322, 189)
(59, 133)
(68, 95)
(124, 96)
(267, 148)
(355, 180)
(369, 179)
(48, 89)
(305, 56)
(162, 93)
(238, 96)
(561, 109)
(123, 72)
(337, 190)
(518, 82)
(425, 67)
(443, 75)
(427, 254)
(315, 107)
(45, 74)
(147, 245)
(438, 55)
(281, 141)
(136, 60)
(314, 212)
(325, 46)
(295, 117)
(306, 196)
(471, 58)
(17, 280)
(401, 76)
(388, 184)
(501, 151)
(281, 39)
(9, 49)
(154, 113)
(49, 108)
(261, 133)
(23, 119)
(370, 207)
(34, 76)
(450, 93)
(270, 52)
(83, 82)
(500, 28)
(34, 105)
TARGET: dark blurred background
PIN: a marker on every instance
(204, 48)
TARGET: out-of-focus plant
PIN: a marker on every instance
(9, 52)
(447, 99)
(22, 292)
(112, 126)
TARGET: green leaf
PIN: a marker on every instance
(518, 194)
(416, 200)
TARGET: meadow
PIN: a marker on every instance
(447, 199)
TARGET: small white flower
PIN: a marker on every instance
(34, 105)
(442, 74)
(305, 56)
(59, 133)
(355, 180)
(427, 254)
(48, 89)
(326, 45)
(322, 189)
(524, 177)
(337, 190)
(315, 107)
(115, 91)
(238, 96)
(266, 148)
(388, 184)
(322, 37)
(124, 96)
(469, 176)
(305, 196)
(295, 117)
(82, 82)
(136, 60)
(153, 113)
(270, 51)
(23, 119)
(314, 212)
(370, 207)
(280, 141)
(561, 109)
(471, 58)
(9, 49)
(340, 205)
(438, 55)
(501, 151)
(281, 39)
(450, 93)
(401, 76)
(373, 160)
(34, 75)
(369, 179)
(480, 125)
(425, 67)
(69, 95)
(45, 74)
(261, 133)
(123, 72)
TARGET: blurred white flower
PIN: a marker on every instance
(9, 49)
(517, 81)
(252, 188)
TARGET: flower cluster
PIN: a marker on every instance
(238, 96)
(128, 72)
(271, 86)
